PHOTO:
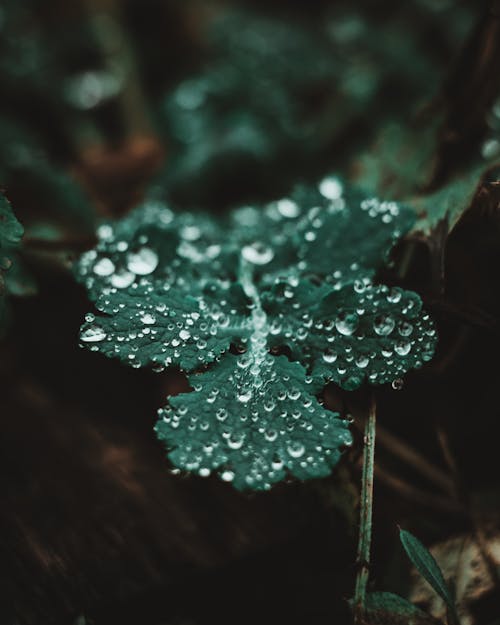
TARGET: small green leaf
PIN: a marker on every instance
(11, 232)
(427, 566)
(449, 202)
(386, 607)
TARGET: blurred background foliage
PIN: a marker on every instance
(209, 104)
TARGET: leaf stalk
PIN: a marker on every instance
(366, 513)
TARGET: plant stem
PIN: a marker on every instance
(366, 511)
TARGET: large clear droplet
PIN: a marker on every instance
(331, 188)
(402, 348)
(227, 476)
(257, 253)
(346, 323)
(142, 262)
(235, 441)
(296, 449)
(148, 319)
(122, 279)
(104, 267)
(288, 208)
(384, 325)
(329, 356)
(93, 334)
(244, 396)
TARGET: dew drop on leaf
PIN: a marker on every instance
(346, 323)
(257, 253)
(227, 476)
(384, 325)
(143, 262)
(104, 267)
(93, 334)
(148, 318)
(397, 384)
(296, 449)
(288, 208)
(122, 279)
(402, 348)
(331, 188)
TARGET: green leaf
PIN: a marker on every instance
(253, 419)
(401, 164)
(449, 202)
(162, 325)
(296, 275)
(11, 232)
(427, 566)
(359, 332)
(386, 607)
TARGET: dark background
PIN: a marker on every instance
(92, 522)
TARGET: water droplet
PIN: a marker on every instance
(122, 279)
(142, 262)
(346, 323)
(296, 449)
(394, 295)
(329, 356)
(227, 476)
(490, 148)
(221, 414)
(405, 328)
(105, 232)
(244, 395)
(402, 348)
(397, 384)
(148, 319)
(190, 233)
(331, 188)
(288, 208)
(362, 361)
(93, 334)
(257, 253)
(184, 335)
(384, 325)
(235, 441)
(104, 267)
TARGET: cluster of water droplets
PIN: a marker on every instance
(275, 426)
(373, 333)
(166, 286)
(152, 243)
(160, 326)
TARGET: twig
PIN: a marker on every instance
(408, 454)
(366, 513)
(419, 496)
(402, 450)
